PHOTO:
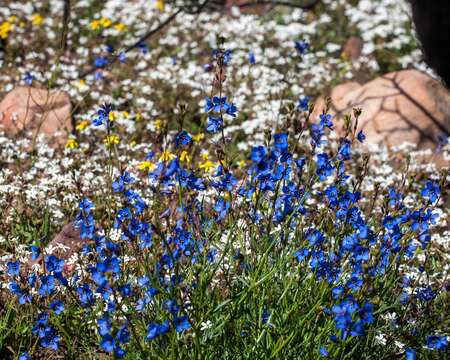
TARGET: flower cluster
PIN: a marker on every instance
(287, 243)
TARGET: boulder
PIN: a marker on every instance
(352, 49)
(404, 106)
(65, 244)
(38, 110)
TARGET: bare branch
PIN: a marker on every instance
(251, 3)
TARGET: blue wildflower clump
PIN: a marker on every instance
(287, 250)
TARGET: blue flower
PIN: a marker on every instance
(50, 339)
(53, 264)
(104, 325)
(125, 290)
(432, 190)
(109, 48)
(325, 121)
(119, 352)
(425, 294)
(22, 295)
(218, 105)
(360, 136)
(223, 56)
(100, 62)
(251, 58)
(35, 252)
(315, 237)
(226, 57)
(85, 295)
(181, 323)
(324, 168)
(86, 205)
(47, 285)
(214, 124)
(436, 342)
(122, 57)
(103, 115)
(172, 307)
(410, 354)
(231, 110)
(265, 316)
(303, 103)
(154, 330)
(123, 335)
(302, 47)
(108, 343)
(143, 47)
(344, 150)
(317, 133)
(227, 182)
(28, 78)
(280, 142)
(323, 351)
(57, 306)
(300, 255)
(24, 356)
(183, 138)
(337, 291)
(258, 154)
(221, 208)
(343, 315)
(13, 268)
(40, 324)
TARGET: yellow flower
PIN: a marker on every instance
(5, 28)
(119, 26)
(242, 163)
(146, 166)
(125, 114)
(37, 19)
(198, 137)
(12, 18)
(207, 166)
(71, 144)
(80, 84)
(95, 24)
(158, 124)
(159, 4)
(166, 155)
(112, 116)
(138, 117)
(105, 22)
(204, 155)
(184, 156)
(82, 125)
(111, 140)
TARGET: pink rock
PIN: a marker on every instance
(39, 110)
(404, 106)
(65, 244)
(352, 48)
(246, 8)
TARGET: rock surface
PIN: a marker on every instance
(352, 48)
(404, 106)
(65, 244)
(38, 110)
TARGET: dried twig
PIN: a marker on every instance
(251, 3)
